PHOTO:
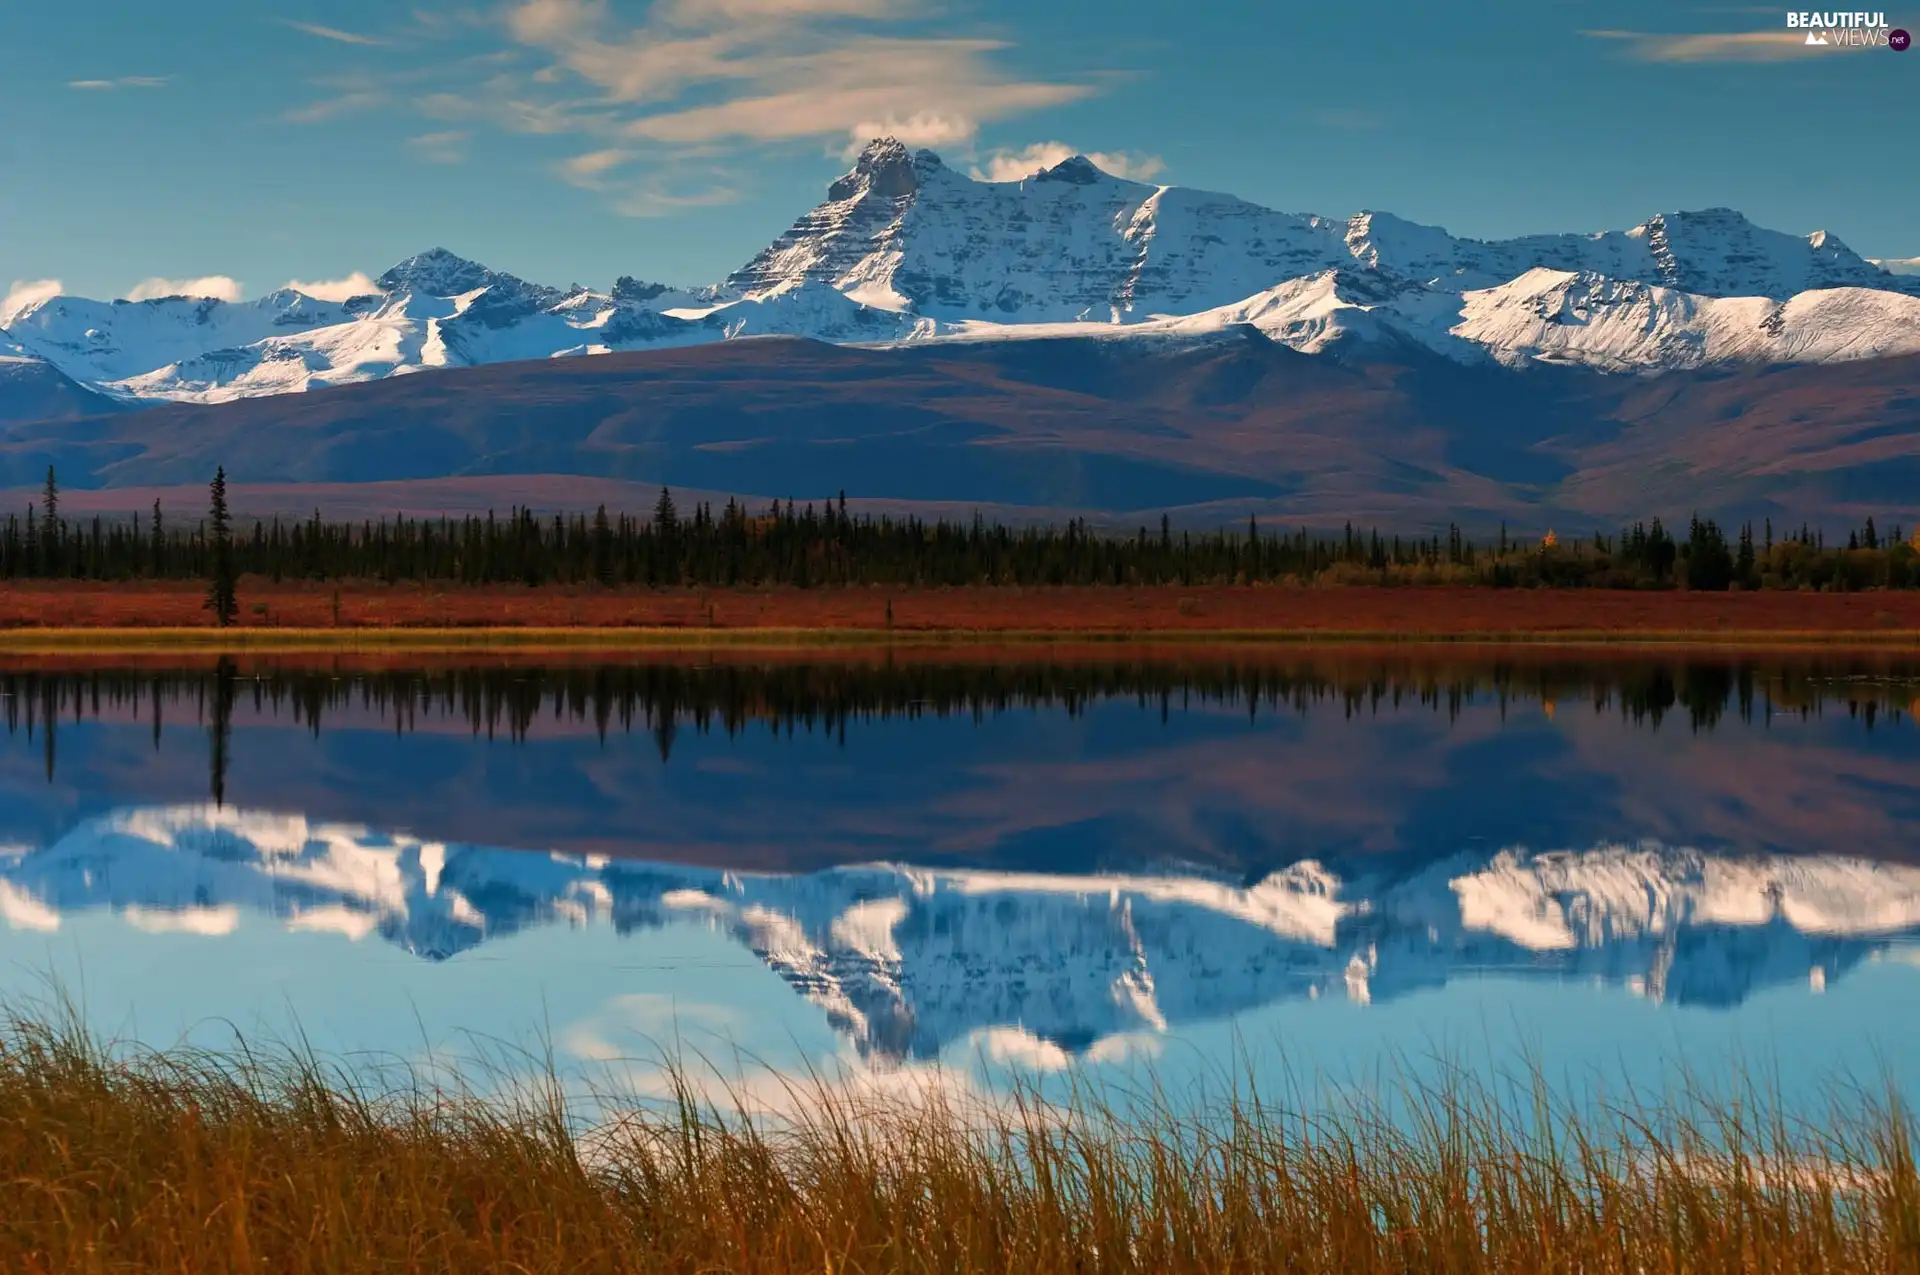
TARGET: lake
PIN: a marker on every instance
(1304, 866)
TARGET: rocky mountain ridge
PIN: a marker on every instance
(906, 249)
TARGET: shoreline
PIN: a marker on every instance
(428, 641)
(69, 616)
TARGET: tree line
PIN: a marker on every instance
(788, 544)
(518, 703)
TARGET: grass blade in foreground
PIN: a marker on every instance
(192, 1162)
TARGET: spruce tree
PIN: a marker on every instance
(222, 591)
(602, 548)
(50, 525)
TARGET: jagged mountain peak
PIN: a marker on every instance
(438, 273)
(880, 152)
(1719, 214)
(628, 288)
(1720, 252)
(885, 168)
(915, 249)
(1825, 241)
(1076, 170)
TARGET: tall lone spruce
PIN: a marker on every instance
(50, 525)
(221, 593)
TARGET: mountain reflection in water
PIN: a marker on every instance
(921, 854)
(1244, 764)
(906, 962)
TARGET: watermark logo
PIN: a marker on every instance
(1847, 30)
(1898, 40)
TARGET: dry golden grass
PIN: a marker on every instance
(310, 614)
(185, 1162)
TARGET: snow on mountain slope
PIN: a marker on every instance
(503, 319)
(100, 342)
(905, 248)
(439, 273)
(908, 962)
(904, 231)
(1336, 308)
(1616, 325)
(665, 299)
(810, 309)
(1313, 314)
(1715, 252)
(1548, 316)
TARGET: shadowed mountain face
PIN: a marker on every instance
(1221, 427)
(32, 390)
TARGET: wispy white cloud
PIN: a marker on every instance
(646, 201)
(23, 293)
(357, 284)
(698, 12)
(657, 191)
(333, 33)
(705, 80)
(551, 21)
(1716, 46)
(1892, 265)
(589, 171)
(504, 102)
(332, 108)
(1010, 166)
(122, 82)
(779, 70)
(922, 128)
(449, 146)
(218, 286)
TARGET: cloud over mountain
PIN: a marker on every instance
(1011, 166)
(218, 286)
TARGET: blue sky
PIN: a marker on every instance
(575, 140)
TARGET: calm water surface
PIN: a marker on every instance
(1317, 865)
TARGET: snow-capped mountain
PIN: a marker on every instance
(905, 248)
(906, 961)
(902, 230)
(1621, 326)
(101, 342)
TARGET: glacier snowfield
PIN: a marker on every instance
(892, 877)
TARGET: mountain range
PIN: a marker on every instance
(905, 962)
(928, 267)
(907, 249)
